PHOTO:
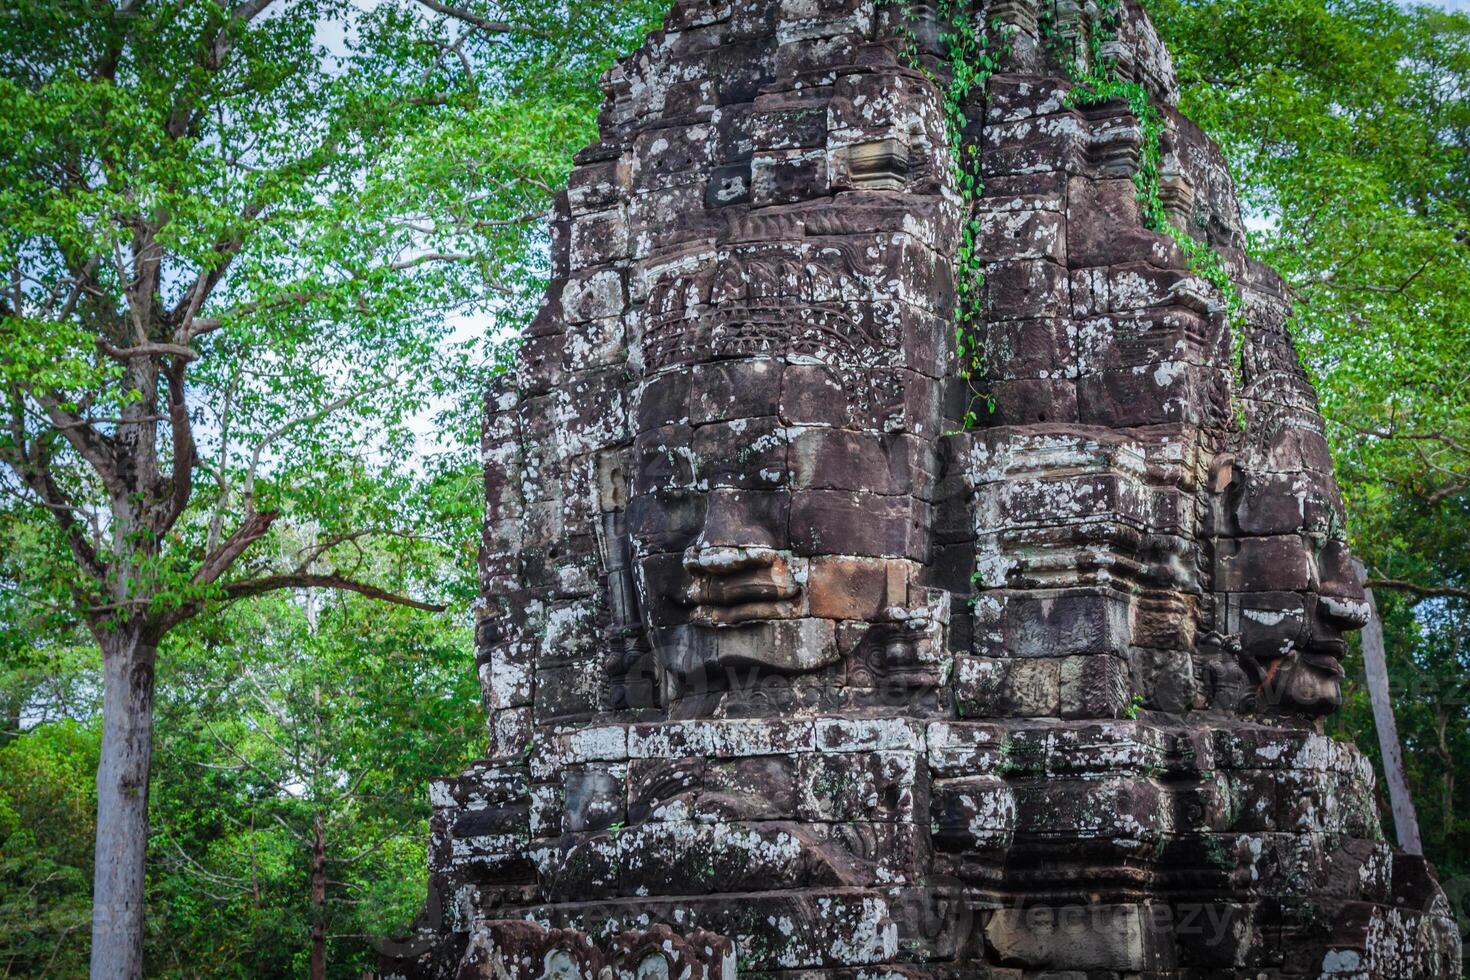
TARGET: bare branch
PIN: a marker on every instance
(244, 13)
(275, 583)
(216, 522)
(184, 452)
(1328, 280)
(483, 23)
(428, 257)
(31, 461)
(290, 830)
(219, 561)
(1444, 493)
(320, 548)
(209, 324)
(184, 313)
(146, 350)
(1439, 437)
(1421, 593)
(476, 225)
(248, 491)
(251, 9)
(93, 446)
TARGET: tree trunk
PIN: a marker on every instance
(1375, 665)
(10, 720)
(122, 804)
(1447, 815)
(318, 900)
(1442, 749)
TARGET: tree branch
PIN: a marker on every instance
(248, 490)
(1329, 280)
(1444, 493)
(483, 23)
(219, 561)
(33, 466)
(296, 580)
(428, 257)
(227, 248)
(146, 350)
(1421, 593)
(93, 446)
(184, 451)
(311, 554)
(1445, 440)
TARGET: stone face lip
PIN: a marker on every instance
(812, 651)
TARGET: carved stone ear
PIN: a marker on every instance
(881, 165)
(1222, 472)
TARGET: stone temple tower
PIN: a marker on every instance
(911, 549)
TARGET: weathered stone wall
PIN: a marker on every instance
(802, 651)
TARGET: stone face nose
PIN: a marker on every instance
(732, 576)
(743, 520)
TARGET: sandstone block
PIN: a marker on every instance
(1003, 688)
(1080, 937)
(1095, 686)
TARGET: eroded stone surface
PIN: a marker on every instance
(785, 663)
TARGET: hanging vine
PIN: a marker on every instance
(1100, 83)
(969, 62)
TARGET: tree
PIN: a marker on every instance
(298, 734)
(46, 825)
(251, 770)
(229, 257)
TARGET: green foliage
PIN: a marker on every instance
(1348, 125)
(276, 715)
(1429, 668)
(257, 261)
(266, 723)
(1134, 707)
(240, 266)
(47, 798)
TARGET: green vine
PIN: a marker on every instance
(1100, 83)
(969, 62)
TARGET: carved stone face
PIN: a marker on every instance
(1221, 578)
(1283, 573)
(783, 466)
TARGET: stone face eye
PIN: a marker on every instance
(665, 521)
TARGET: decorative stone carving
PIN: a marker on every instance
(519, 950)
(789, 667)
